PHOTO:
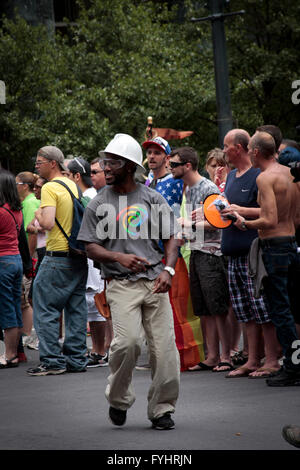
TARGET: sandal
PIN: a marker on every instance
(239, 359)
(266, 372)
(201, 366)
(242, 372)
(9, 363)
(223, 364)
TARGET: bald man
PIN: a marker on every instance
(241, 192)
(279, 200)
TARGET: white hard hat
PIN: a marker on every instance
(127, 147)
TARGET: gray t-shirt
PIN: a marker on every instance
(132, 223)
(210, 242)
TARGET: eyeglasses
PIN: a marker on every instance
(21, 183)
(176, 164)
(39, 163)
(95, 172)
(80, 164)
(113, 164)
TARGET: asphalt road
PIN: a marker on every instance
(70, 412)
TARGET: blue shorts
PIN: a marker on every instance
(11, 272)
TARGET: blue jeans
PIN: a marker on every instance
(60, 286)
(280, 256)
(11, 273)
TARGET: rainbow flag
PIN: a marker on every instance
(188, 332)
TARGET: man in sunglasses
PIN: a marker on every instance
(97, 175)
(122, 227)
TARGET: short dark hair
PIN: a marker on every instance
(242, 139)
(187, 155)
(265, 143)
(274, 131)
(83, 167)
(291, 143)
(95, 160)
(8, 191)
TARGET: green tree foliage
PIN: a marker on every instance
(127, 59)
(264, 60)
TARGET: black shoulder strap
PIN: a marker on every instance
(73, 197)
(10, 212)
(67, 187)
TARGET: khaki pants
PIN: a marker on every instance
(133, 305)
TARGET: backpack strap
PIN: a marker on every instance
(73, 197)
(10, 212)
(67, 187)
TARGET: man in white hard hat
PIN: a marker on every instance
(122, 227)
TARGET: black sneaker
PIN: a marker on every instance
(284, 378)
(164, 422)
(96, 360)
(43, 370)
(75, 371)
(117, 416)
(291, 434)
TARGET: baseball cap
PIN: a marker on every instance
(158, 142)
(80, 165)
(53, 153)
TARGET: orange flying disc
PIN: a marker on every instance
(212, 206)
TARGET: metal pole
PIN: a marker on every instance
(225, 122)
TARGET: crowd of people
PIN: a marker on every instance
(144, 236)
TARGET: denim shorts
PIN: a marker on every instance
(11, 272)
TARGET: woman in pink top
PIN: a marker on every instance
(11, 268)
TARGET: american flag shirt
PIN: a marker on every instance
(171, 189)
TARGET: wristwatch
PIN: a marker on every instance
(170, 270)
(243, 225)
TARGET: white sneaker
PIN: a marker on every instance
(31, 341)
(34, 344)
(143, 367)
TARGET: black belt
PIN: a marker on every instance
(276, 241)
(59, 254)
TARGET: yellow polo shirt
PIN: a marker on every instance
(55, 195)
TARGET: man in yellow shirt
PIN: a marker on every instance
(61, 280)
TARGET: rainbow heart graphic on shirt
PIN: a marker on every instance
(132, 217)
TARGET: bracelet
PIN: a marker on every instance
(243, 225)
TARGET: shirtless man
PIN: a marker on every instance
(279, 199)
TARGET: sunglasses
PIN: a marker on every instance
(95, 172)
(176, 164)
